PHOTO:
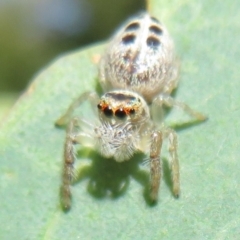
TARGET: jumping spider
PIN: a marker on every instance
(138, 72)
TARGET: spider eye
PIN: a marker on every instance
(108, 111)
(132, 111)
(120, 113)
(99, 106)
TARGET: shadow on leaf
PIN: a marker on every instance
(111, 179)
(108, 178)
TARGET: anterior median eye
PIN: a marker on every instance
(120, 113)
(108, 111)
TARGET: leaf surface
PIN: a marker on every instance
(109, 199)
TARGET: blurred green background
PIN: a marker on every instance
(34, 32)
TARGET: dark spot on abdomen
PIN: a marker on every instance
(132, 26)
(155, 29)
(128, 39)
(153, 42)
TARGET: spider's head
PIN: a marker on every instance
(123, 115)
(122, 106)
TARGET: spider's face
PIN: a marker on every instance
(124, 117)
(122, 106)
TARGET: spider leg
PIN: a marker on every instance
(155, 164)
(174, 162)
(167, 100)
(68, 164)
(92, 97)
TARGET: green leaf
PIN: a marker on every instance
(109, 199)
(6, 101)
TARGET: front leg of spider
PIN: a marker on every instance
(68, 164)
(92, 97)
(155, 164)
(73, 135)
(174, 162)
